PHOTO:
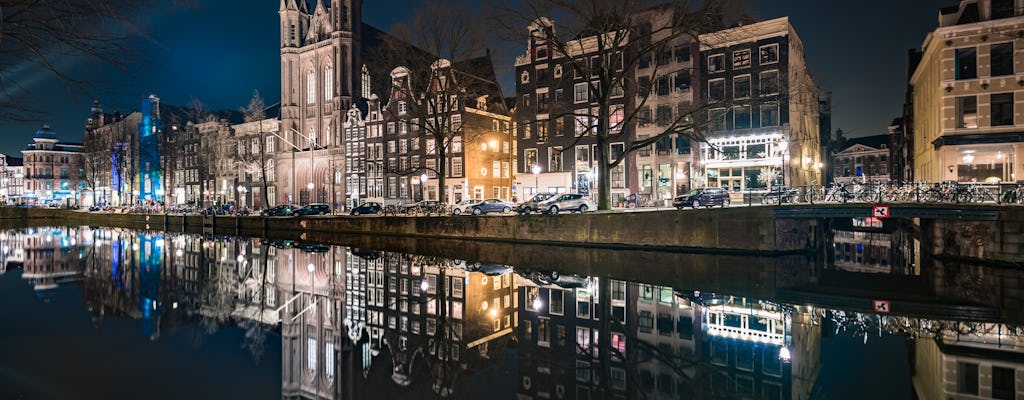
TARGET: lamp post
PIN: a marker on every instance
(241, 195)
(415, 181)
(309, 187)
(423, 185)
(536, 178)
(355, 190)
(783, 148)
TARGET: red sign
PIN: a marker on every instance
(880, 212)
(882, 306)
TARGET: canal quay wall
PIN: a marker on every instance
(737, 230)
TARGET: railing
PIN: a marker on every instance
(883, 192)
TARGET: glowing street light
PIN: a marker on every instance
(536, 178)
(423, 185)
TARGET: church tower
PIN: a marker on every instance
(319, 47)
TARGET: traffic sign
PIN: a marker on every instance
(882, 306)
(880, 212)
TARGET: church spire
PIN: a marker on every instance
(288, 5)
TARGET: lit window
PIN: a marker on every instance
(310, 87)
(328, 83)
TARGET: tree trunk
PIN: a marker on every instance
(442, 162)
(604, 198)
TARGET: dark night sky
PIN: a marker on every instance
(220, 52)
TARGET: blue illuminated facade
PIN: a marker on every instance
(150, 256)
(150, 129)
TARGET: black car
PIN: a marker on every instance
(369, 207)
(703, 197)
(311, 247)
(313, 209)
(283, 210)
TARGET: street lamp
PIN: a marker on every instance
(355, 190)
(423, 185)
(783, 148)
(536, 178)
(241, 195)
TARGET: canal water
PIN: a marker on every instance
(99, 313)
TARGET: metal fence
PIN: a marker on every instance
(884, 192)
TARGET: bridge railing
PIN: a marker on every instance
(892, 192)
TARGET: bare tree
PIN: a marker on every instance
(254, 158)
(607, 40)
(98, 151)
(437, 77)
(43, 36)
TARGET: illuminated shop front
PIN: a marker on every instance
(736, 163)
(981, 163)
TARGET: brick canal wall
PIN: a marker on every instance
(751, 229)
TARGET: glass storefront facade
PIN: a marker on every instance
(736, 163)
(990, 163)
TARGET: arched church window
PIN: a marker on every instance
(366, 89)
(310, 87)
(328, 83)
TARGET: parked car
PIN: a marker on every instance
(554, 278)
(370, 207)
(703, 197)
(313, 209)
(465, 207)
(490, 206)
(531, 205)
(489, 269)
(566, 202)
(312, 247)
(282, 244)
(282, 210)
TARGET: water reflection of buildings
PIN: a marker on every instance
(400, 320)
(12, 252)
(871, 245)
(760, 349)
(52, 256)
(974, 360)
(662, 344)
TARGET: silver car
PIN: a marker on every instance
(465, 207)
(566, 202)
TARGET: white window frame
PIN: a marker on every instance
(710, 63)
(576, 94)
(760, 82)
(736, 56)
(749, 86)
(760, 61)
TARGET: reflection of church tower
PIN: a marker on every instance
(312, 330)
(319, 47)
